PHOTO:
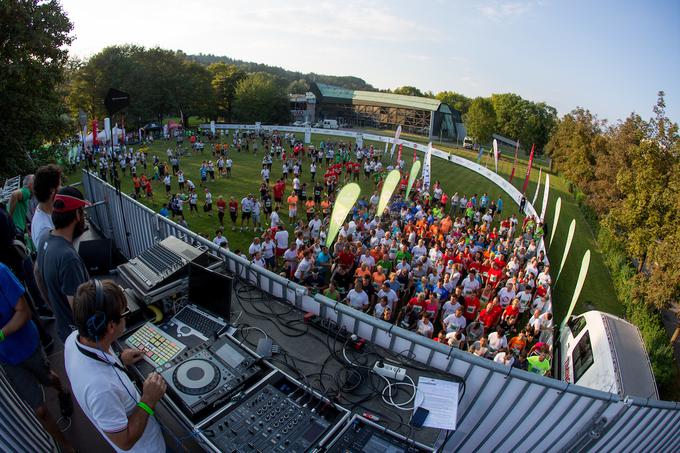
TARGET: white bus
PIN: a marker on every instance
(604, 352)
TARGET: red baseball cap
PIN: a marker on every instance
(69, 199)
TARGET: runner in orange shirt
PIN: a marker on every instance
(326, 206)
(309, 207)
(292, 205)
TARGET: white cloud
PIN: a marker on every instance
(498, 10)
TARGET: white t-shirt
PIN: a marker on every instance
(315, 226)
(391, 295)
(303, 268)
(254, 248)
(281, 239)
(275, 219)
(268, 249)
(505, 295)
(497, 342)
(470, 286)
(425, 329)
(453, 322)
(41, 222)
(357, 300)
(106, 399)
(449, 308)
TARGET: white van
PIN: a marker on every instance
(604, 352)
(330, 124)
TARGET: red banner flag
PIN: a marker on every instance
(514, 164)
(95, 142)
(399, 154)
(531, 161)
(415, 156)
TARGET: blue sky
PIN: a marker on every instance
(608, 56)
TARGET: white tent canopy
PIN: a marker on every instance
(102, 137)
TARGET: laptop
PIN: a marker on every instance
(209, 308)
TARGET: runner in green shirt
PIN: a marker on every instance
(331, 292)
(539, 364)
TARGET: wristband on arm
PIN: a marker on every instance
(2, 336)
(145, 407)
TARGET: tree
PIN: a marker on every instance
(225, 79)
(261, 97)
(511, 115)
(34, 36)
(575, 145)
(196, 95)
(480, 120)
(408, 91)
(299, 86)
(455, 100)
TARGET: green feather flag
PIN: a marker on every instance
(389, 185)
(412, 177)
(343, 205)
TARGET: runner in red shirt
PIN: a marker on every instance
(471, 307)
(495, 275)
(278, 190)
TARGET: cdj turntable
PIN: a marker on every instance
(204, 376)
(277, 416)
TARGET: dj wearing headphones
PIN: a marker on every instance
(98, 377)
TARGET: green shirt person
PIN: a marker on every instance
(539, 364)
(331, 292)
(18, 204)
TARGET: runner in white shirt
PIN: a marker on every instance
(357, 297)
(255, 247)
(471, 284)
(506, 294)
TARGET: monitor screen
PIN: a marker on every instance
(210, 290)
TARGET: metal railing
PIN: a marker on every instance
(503, 409)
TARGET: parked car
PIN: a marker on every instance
(468, 143)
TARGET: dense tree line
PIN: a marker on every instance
(532, 123)
(628, 176)
(33, 37)
(288, 77)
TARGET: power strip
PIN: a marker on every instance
(389, 371)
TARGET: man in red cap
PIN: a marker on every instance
(61, 268)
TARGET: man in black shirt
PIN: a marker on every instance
(61, 268)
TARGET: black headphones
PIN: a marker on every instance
(96, 324)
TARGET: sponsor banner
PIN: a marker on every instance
(415, 169)
(394, 142)
(583, 273)
(538, 186)
(514, 163)
(546, 192)
(567, 247)
(343, 205)
(427, 168)
(553, 227)
(531, 161)
(391, 183)
(495, 153)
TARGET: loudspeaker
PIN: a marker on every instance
(97, 255)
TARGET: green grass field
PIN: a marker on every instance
(598, 291)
